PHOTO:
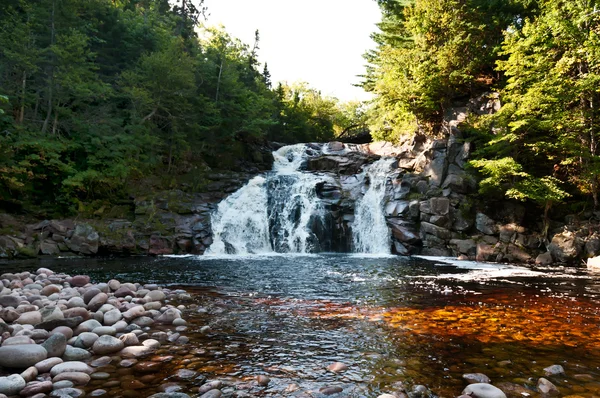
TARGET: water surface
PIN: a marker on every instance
(390, 319)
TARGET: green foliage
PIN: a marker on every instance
(98, 94)
(429, 53)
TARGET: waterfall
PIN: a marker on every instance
(240, 224)
(275, 213)
(370, 233)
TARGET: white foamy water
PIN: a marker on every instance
(370, 233)
(270, 214)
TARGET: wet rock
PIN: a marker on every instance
(263, 380)
(107, 345)
(51, 314)
(148, 367)
(17, 340)
(97, 301)
(37, 388)
(100, 376)
(566, 247)
(485, 252)
(513, 390)
(87, 326)
(11, 385)
(169, 316)
(8, 315)
(10, 301)
(22, 356)
(211, 385)
(185, 374)
(75, 354)
(70, 322)
(544, 259)
(331, 390)
(47, 364)
(63, 384)
(55, 345)
(546, 387)
(483, 390)
(80, 280)
(172, 395)
(554, 370)
(485, 225)
(98, 393)
(473, 378)
(77, 378)
(111, 317)
(30, 318)
(67, 392)
(387, 396)
(29, 374)
(105, 331)
(85, 340)
(72, 366)
(337, 367)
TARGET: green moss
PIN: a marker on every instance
(26, 251)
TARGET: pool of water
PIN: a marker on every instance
(393, 320)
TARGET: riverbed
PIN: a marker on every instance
(394, 321)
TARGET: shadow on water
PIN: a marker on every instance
(391, 319)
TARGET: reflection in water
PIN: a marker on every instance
(389, 319)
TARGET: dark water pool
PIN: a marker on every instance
(391, 320)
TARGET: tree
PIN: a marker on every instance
(552, 96)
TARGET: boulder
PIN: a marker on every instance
(485, 225)
(439, 206)
(566, 247)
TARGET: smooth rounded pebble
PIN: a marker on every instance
(11, 385)
(107, 345)
(21, 356)
(72, 366)
(483, 390)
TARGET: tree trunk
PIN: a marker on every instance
(51, 72)
(219, 81)
(55, 124)
(24, 86)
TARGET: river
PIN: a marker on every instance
(415, 321)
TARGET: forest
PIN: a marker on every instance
(96, 95)
(541, 56)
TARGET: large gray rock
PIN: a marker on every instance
(11, 385)
(84, 240)
(107, 345)
(485, 225)
(55, 345)
(439, 206)
(483, 390)
(436, 231)
(22, 356)
(465, 246)
(566, 247)
(75, 354)
(72, 366)
(546, 387)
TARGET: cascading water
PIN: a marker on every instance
(276, 213)
(240, 224)
(370, 233)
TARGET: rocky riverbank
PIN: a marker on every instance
(60, 333)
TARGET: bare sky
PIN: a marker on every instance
(318, 41)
